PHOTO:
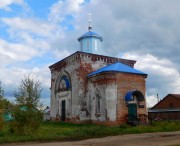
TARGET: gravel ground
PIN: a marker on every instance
(145, 139)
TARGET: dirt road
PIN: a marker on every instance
(146, 139)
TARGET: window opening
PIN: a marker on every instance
(98, 103)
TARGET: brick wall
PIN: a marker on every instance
(128, 82)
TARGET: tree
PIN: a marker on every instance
(1, 92)
(27, 113)
(29, 93)
(4, 103)
(1, 106)
(4, 106)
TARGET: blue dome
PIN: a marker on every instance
(90, 34)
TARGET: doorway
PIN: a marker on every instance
(132, 111)
(63, 110)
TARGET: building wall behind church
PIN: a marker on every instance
(168, 102)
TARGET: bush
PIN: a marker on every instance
(27, 117)
(4, 105)
(26, 121)
(1, 122)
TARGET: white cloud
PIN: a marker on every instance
(62, 9)
(12, 52)
(31, 37)
(151, 100)
(153, 65)
(4, 4)
(35, 26)
(163, 77)
(30, 40)
(61, 54)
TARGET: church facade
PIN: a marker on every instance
(87, 87)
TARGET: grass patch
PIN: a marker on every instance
(60, 131)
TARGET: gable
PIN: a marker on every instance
(168, 102)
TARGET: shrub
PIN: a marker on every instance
(1, 121)
(26, 113)
(26, 121)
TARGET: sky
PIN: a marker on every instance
(37, 33)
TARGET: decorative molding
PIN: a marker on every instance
(63, 94)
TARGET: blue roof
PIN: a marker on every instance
(90, 34)
(117, 67)
(129, 96)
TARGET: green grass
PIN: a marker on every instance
(59, 131)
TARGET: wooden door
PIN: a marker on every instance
(63, 110)
(132, 111)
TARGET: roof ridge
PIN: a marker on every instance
(176, 95)
(117, 67)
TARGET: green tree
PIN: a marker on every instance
(27, 114)
(4, 103)
(4, 106)
(1, 106)
(1, 92)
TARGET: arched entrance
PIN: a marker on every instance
(63, 96)
(133, 100)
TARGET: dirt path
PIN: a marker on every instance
(146, 139)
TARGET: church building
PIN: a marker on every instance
(89, 87)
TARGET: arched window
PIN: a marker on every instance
(64, 84)
(95, 44)
(98, 103)
(87, 44)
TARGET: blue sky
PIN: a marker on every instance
(37, 33)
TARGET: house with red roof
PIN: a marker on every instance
(167, 109)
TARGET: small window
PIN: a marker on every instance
(87, 45)
(141, 106)
(95, 44)
(81, 45)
